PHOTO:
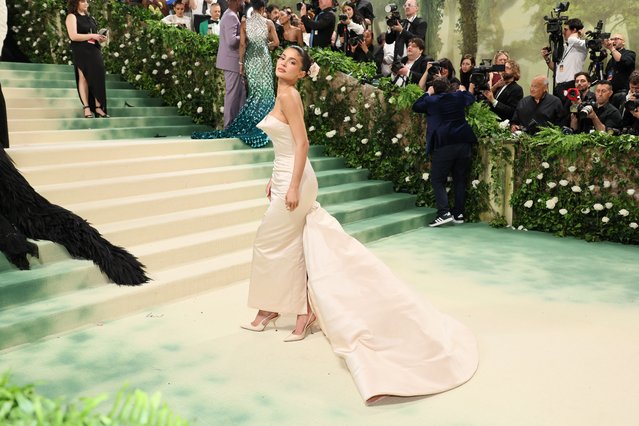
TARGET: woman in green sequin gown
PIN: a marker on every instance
(257, 36)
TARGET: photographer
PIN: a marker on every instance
(631, 102)
(320, 28)
(178, 19)
(402, 32)
(413, 65)
(620, 64)
(442, 68)
(573, 58)
(350, 30)
(539, 109)
(601, 116)
(504, 95)
(363, 52)
(449, 138)
(580, 93)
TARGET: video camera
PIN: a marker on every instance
(393, 16)
(596, 37)
(555, 23)
(479, 75)
(309, 6)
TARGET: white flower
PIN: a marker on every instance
(310, 129)
(189, 96)
(313, 70)
(154, 72)
(475, 183)
(311, 106)
(528, 204)
(174, 63)
(596, 159)
(550, 204)
(364, 141)
(407, 179)
(598, 207)
(572, 169)
(126, 62)
(359, 126)
(563, 211)
(189, 72)
(551, 184)
(158, 63)
(196, 90)
(399, 136)
(425, 176)
(342, 89)
(576, 188)
(352, 129)
(164, 56)
(152, 41)
(591, 187)
(528, 181)
(347, 119)
(630, 191)
(624, 212)
(325, 115)
(329, 77)
(394, 140)
(137, 77)
(608, 205)
(633, 225)
(378, 154)
(563, 182)
(605, 219)
(163, 91)
(504, 124)
(222, 109)
(179, 104)
(166, 71)
(144, 60)
(540, 176)
(407, 149)
(585, 211)
(367, 106)
(199, 110)
(373, 95)
(391, 100)
(331, 133)
(352, 110)
(545, 165)
(606, 184)
(116, 54)
(318, 111)
(197, 64)
(322, 98)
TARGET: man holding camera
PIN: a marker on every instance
(620, 64)
(449, 138)
(321, 29)
(538, 109)
(630, 108)
(573, 58)
(401, 32)
(413, 65)
(504, 96)
(600, 116)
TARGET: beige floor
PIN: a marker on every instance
(557, 323)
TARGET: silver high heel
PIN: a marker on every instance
(262, 325)
(308, 327)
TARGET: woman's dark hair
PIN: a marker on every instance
(306, 59)
(258, 4)
(72, 6)
(446, 63)
(467, 56)
(357, 17)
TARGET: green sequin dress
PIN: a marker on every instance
(258, 68)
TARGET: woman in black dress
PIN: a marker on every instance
(87, 57)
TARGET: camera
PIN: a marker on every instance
(354, 40)
(632, 104)
(396, 65)
(479, 75)
(435, 68)
(584, 109)
(343, 17)
(531, 128)
(596, 37)
(393, 17)
(300, 4)
(103, 32)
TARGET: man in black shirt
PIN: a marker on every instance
(538, 109)
(603, 116)
(410, 27)
(322, 27)
(628, 110)
(620, 64)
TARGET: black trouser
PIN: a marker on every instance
(457, 159)
(4, 127)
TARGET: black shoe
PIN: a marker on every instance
(458, 219)
(441, 220)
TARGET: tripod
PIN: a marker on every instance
(556, 44)
(596, 68)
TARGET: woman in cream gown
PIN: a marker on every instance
(392, 340)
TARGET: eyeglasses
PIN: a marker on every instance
(407, 5)
(615, 38)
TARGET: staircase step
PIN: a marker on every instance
(366, 208)
(84, 123)
(28, 66)
(76, 112)
(73, 102)
(70, 92)
(54, 82)
(60, 73)
(383, 226)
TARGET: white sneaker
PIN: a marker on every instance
(441, 220)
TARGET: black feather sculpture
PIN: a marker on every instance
(26, 214)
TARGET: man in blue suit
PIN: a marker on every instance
(449, 138)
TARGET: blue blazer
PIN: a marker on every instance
(446, 119)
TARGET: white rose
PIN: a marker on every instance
(359, 126)
(633, 225)
(378, 154)
(563, 211)
(605, 219)
(197, 64)
(528, 181)
(199, 110)
(598, 207)
(179, 104)
(475, 183)
(540, 176)
(144, 60)
(425, 176)
(504, 124)
(624, 212)
(352, 110)
(342, 89)
(313, 71)
(550, 204)
(311, 106)
(551, 184)
(331, 133)
(391, 100)
(318, 111)
(196, 90)
(606, 184)
(576, 188)
(154, 72)
(222, 109)
(591, 187)
(164, 56)
(572, 169)
(347, 119)
(137, 77)
(407, 179)
(352, 129)
(563, 182)
(394, 140)
(608, 205)
(630, 191)
(407, 149)
(585, 211)
(189, 96)
(367, 106)
(116, 54)
(528, 204)
(545, 165)
(325, 115)
(399, 136)
(329, 77)
(163, 91)
(364, 141)
(310, 129)
(166, 71)
(189, 72)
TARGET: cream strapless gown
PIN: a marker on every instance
(392, 340)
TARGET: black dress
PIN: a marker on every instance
(87, 57)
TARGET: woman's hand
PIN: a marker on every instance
(292, 198)
(268, 189)
(98, 37)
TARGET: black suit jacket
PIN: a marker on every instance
(507, 101)
(321, 28)
(418, 69)
(417, 28)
